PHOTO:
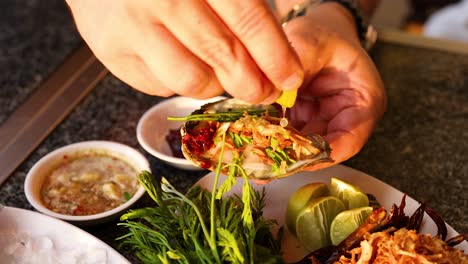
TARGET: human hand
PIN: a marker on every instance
(343, 96)
(198, 48)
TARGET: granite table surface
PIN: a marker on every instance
(419, 146)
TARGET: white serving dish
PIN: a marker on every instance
(279, 191)
(38, 173)
(31, 237)
(153, 127)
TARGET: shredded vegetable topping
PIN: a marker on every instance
(404, 246)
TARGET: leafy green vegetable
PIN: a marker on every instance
(230, 116)
(239, 140)
(202, 226)
(236, 139)
(127, 196)
(278, 156)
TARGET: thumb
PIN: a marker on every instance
(311, 45)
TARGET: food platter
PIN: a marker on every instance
(279, 191)
(31, 237)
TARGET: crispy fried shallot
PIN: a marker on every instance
(403, 246)
(393, 238)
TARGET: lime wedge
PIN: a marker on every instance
(314, 220)
(299, 200)
(287, 98)
(350, 195)
(346, 222)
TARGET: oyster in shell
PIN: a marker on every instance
(254, 141)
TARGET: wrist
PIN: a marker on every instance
(282, 7)
(346, 17)
(337, 18)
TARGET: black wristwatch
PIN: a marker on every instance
(366, 32)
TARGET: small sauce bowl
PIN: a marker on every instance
(39, 173)
(153, 127)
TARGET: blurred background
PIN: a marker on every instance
(447, 19)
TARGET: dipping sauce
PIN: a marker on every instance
(89, 182)
(174, 140)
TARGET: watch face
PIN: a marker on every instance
(298, 10)
(370, 38)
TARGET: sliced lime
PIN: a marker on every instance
(299, 200)
(349, 194)
(314, 220)
(346, 222)
(287, 98)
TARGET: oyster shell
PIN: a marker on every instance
(253, 140)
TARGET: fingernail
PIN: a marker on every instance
(293, 82)
(271, 98)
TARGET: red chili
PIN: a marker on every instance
(199, 140)
(80, 210)
(206, 164)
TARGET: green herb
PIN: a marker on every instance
(127, 196)
(285, 156)
(236, 140)
(239, 140)
(273, 155)
(247, 140)
(273, 142)
(278, 156)
(202, 226)
(220, 116)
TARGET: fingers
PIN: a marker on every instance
(216, 46)
(236, 45)
(348, 131)
(256, 27)
(194, 48)
(132, 70)
(175, 66)
(343, 96)
(197, 48)
(311, 44)
(345, 119)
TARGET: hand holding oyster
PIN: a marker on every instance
(248, 139)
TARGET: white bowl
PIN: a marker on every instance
(38, 173)
(154, 126)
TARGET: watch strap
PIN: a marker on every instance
(366, 32)
(298, 10)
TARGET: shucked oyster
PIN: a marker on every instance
(253, 141)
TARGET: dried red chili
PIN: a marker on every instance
(200, 140)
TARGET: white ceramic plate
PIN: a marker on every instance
(153, 128)
(279, 191)
(36, 238)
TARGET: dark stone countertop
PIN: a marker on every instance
(419, 147)
(35, 37)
